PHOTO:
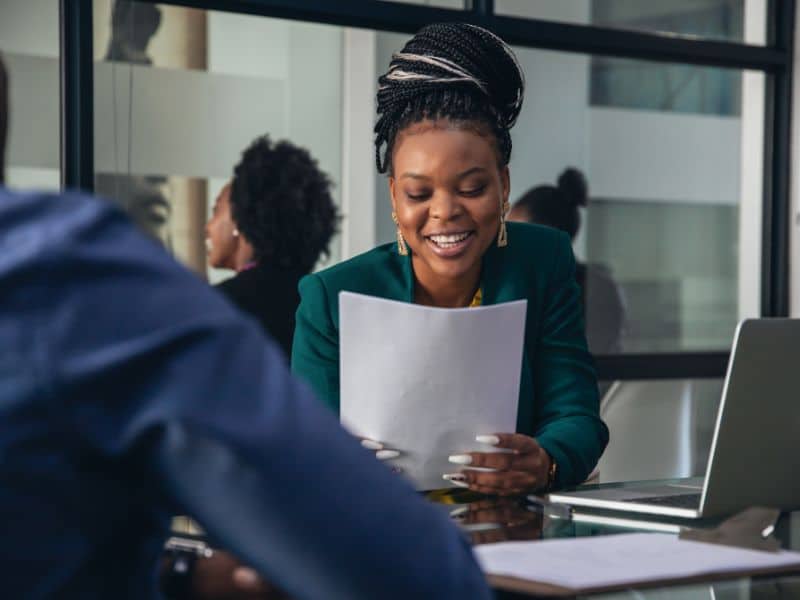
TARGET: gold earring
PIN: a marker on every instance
(502, 235)
(402, 247)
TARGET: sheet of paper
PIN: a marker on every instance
(425, 381)
(618, 560)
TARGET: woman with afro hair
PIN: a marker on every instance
(445, 109)
(271, 223)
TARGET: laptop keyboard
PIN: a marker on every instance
(676, 501)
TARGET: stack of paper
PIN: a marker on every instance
(425, 381)
(604, 563)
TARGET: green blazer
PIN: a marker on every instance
(558, 399)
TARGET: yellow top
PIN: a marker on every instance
(476, 299)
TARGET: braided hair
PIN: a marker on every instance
(281, 202)
(454, 71)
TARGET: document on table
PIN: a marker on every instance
(604, 563)
(425, 381)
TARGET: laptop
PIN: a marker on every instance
(755, 454)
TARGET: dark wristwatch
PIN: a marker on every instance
(181, 555)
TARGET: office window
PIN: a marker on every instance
(727, 20)
(180, 93)
(30, 50)
(665, 87)
(669, 245)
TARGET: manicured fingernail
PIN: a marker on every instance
(459, 512)
(386, 454)
(456, 479)
(492, 440)
(460, 459)
(370, 445)
(246, 577)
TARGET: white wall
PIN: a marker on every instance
(184, 122)
(358, 176)
(29, 27)
(646, 156)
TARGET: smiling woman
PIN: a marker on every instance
(448, 199)
(446, 106)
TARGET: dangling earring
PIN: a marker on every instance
(502, 235)
(402, 248)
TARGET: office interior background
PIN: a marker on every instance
(677, 111)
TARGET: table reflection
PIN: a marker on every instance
(489, 521)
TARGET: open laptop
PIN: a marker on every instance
(755, 451)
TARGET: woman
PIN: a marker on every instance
(446, 105)
(557, 206)
(271, 224)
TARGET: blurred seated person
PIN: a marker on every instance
(133, 25)
(558, 207)
(130, 391)
(271, 224)
(446, 106)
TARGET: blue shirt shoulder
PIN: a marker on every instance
(131, 391)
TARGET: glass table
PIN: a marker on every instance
(490, 520)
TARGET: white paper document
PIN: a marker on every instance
(618, 560)
(425, 381)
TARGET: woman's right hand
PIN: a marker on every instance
(381, 452)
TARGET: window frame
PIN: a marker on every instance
(774, 59)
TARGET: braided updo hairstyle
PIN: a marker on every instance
(453, 71)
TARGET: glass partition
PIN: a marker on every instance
(180, 93)
(669, 243)
(30, 51)
(727, 20)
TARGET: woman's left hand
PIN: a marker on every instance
(523, 470)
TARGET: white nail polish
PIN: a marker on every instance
(492, 440)
(460, 511)
(386, 454)
(455, 479)
(460, 459)
(371, 445)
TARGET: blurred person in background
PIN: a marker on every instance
(271, 224)
(133, 25)
(559, 207)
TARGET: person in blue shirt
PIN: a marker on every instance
(130, 392)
